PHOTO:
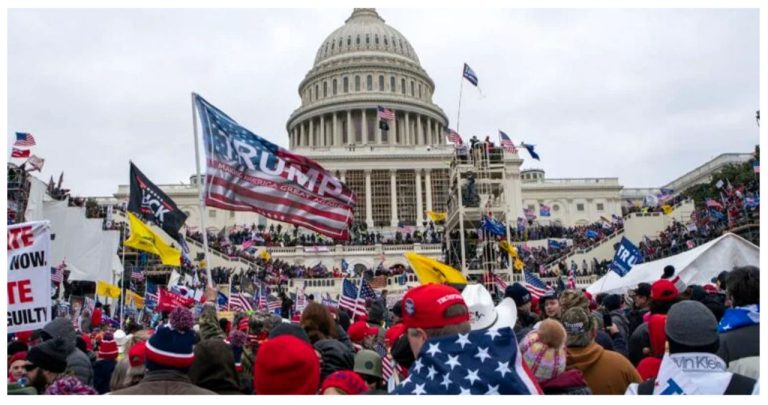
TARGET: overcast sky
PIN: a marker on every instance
(642, 95)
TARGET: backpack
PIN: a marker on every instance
(739, 385)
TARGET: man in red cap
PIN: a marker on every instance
(362, 335)
(664, 294)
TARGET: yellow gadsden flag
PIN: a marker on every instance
(431, 271)
(509, 248)
(264, 254)
(137, 299)
(104, 289)
(667, 209)
(437, 216)
(142, 238)
(519, 264)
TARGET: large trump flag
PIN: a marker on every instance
(245, 172)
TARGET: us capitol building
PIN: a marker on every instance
(401, 173)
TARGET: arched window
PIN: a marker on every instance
(334, 87)
(369, 83)
(349, 41)
(381, 83)
(333, 45)
(376, 40)
(386, 42)
(358, 40)
(367, 39)
(346, 84)
(392, 84)
(357, 83)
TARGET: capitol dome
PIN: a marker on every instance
(365, 31)
(360, 66)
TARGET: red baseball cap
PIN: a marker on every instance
(664, 290)
(359, 330)
(424, 306)
(393, 334)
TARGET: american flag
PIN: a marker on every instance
(349, 299)
(454, 137)
(366, 291)
(455, 364)
(261, 301)
(535, 286)
(259, 176)
(507, 143)
(24, 139)
(330, 302)
(57, 273)
(240, 302)
(137, 274)
(386, 114)
(571, 280)
(500, 284)
(387, 367)
(273, 303)
(222, 301)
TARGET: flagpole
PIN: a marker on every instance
(458, 114)
(122, 275)
(203, 212)
(461, 226)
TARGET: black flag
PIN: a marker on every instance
(150, 203)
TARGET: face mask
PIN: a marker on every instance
(402, 353)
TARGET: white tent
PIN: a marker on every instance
(696, 266)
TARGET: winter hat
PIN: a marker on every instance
(612, 302)
(573, 298)
(664, 290)
(69, 385)
(368, 362)
(643, 290)
(286, 365)
(347, 381)
(107, 348)
(692, 324)
(544, 350)
(236, 341)
(16, 357)
(424, 306)
(289, 329)
(578, 326)
(24, 336)
(50, 355)
(171, 346)
(518, 293)
(138, 354)
(17, 347)
(360, 330)
(649, 367)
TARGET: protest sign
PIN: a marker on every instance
(29, 276)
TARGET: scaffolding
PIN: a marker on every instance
(477, 185)
(18, 193)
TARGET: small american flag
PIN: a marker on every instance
(571, 280)
(240, 302)
(507, 143)
(386, 114)
(387, 367)
(273, 303)
(454, 137)
(535, 286)
(500, 284)
(24, 139)
(137, 274)
(57, 275)
(349, 299)
(366, 291)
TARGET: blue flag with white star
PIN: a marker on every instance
(482, 362)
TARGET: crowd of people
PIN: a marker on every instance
(661, 337)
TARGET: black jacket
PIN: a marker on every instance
(335, 356)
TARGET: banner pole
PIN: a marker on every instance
(458, 113)
(203, 212)
(122, 276)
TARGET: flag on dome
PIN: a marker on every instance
(245, 172)
(507, 143)
(470, 75)
(386, 114)
(454, 137)
(24, 139)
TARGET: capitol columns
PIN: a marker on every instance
(393, 195)
(368, 200)
(419, 203)
(428, 185)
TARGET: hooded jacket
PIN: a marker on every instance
(164, 382)
(606, 372)
(214, 368)
(335, 356)
(571, 382)
(77, 361)
(740, 345)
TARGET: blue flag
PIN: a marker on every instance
(470, 75)
(344, 265)
(626, 256)
(530, 150)
(717, 215)
(553, 244)
(591, 234)
(222, 300)
(492, 226)
(456, 364)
